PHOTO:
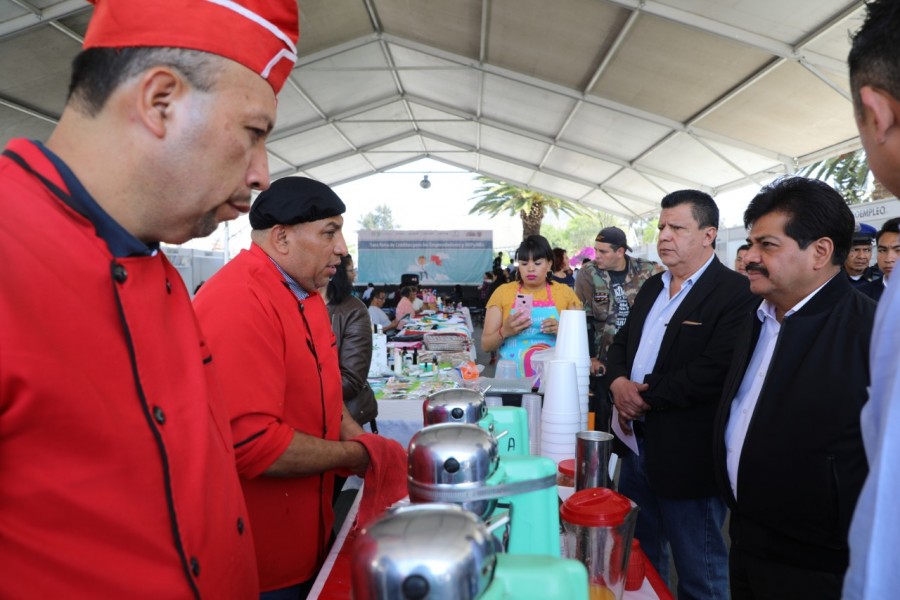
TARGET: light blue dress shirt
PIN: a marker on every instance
(657, 321)
(874, 571)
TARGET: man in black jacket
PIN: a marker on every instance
(666, 366)
(789, 454)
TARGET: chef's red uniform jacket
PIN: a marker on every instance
(117, 474)
(279, 370)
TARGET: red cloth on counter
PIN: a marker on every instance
(385, 478)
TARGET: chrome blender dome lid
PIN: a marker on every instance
(457, 405)
(434, 551)
(452, 453)
(449, 460)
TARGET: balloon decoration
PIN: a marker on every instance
(586, 252)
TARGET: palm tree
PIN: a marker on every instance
(495, 196)
(849, 174)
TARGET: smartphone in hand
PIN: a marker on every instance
(523, 304)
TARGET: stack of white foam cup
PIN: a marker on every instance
(572, 345)
(561, 414)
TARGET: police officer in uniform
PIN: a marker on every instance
(857, 265)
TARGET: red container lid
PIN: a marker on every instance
(596, 507)
(567, 467)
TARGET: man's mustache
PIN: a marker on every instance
(758, 268)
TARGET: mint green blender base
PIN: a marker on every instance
(534, 516)
(537, 578)
(512, 419)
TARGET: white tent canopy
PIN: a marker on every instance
(611, 103)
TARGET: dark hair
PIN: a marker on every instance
(741, 248)
(340, 288)
(814, 210)
(558, 263)
(407, 290)
(703, 207)
(378, 292)
(874, 58)
(97, 72)
(499, 273)
(890, 226)
(586, 260)
(535, 247)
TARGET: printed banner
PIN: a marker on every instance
(437, 257)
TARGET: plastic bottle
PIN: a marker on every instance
(398, 362)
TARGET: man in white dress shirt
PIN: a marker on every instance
(789, 456)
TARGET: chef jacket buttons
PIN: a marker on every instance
(240, 525)
(195, 566)
(159, 415)
(120, 274)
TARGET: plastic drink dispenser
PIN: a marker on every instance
(599, 526)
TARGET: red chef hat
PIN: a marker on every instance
(260, 34)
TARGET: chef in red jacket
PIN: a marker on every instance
(271, 337)
(117, 475)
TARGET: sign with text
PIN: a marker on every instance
(876, 213)
(437, 257)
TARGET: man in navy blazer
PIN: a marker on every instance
(667, 367)
(789, 453)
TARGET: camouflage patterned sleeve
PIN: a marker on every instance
(583, 288)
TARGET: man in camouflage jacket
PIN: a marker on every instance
(607, 288)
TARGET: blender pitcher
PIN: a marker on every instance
(599, 526)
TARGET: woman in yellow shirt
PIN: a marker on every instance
(517, 335)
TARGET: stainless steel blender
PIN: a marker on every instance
(442, 552)
(509, 424)
(461, 463)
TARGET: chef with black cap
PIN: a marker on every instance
(269, 332)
